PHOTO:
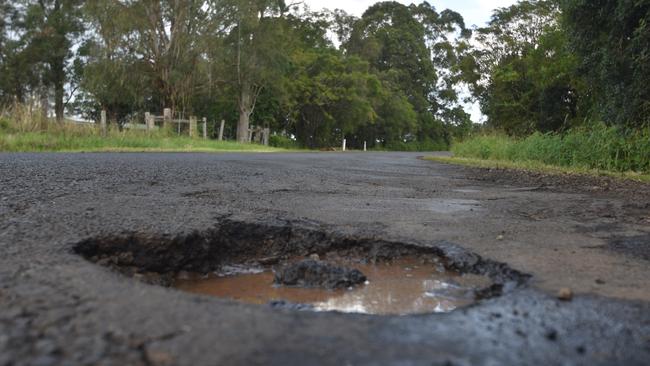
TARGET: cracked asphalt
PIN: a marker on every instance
(56, 308)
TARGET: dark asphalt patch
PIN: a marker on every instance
(637, 246)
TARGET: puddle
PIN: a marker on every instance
(401, 286)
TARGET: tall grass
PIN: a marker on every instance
(594, 147)
(21, 129)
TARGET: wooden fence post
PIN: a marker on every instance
(258, 135)
(193, 126)
(167, 117)
(265, 140)
(205, 128)
(250, 134)
(148, 119)
(221, 130)
(343, 147)
(364, 146)
(102, 122)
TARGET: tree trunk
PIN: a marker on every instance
(59, 81)
(45, 103)
(245, 109)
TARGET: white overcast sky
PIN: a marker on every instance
(475, 12)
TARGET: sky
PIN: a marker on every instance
(475, 12)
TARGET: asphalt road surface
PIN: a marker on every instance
(57, 308)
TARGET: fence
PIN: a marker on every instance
(256, 134)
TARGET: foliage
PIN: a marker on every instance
(408, 47)
(591, 147)
(612, 40)
(530, 82)
(283, 142)
(21, 131)
(393, 79)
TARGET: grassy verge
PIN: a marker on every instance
(597, 147)
(594, 150)
(130, 141)
(23, 129)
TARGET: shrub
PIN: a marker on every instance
(283, 142)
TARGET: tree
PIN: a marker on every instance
(50, 29)
(335, 97)
(410, 47)
(255, 47)
(530, 82)
(612, 40)
(145, 52)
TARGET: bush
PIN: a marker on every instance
(593, 147)
(283, 142)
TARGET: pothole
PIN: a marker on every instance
(305, 267)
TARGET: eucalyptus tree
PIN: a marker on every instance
(254, 51)
(146, 51)
(415, 48)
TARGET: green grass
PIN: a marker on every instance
(593, 150)
(23, 129)
(128, 141)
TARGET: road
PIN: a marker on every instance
(592, 236)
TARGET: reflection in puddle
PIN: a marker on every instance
(403, 286)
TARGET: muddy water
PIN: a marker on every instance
(403, 286)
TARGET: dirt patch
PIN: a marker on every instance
(160, 259)
(579, 183)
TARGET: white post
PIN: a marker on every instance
(205, 128)
(343, 149)
(364, 146)
(221, 130)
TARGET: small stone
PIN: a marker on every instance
(599, 281)
(314, 257)
(499, 237)
(311, 273)
(565, 294)
(159, 358)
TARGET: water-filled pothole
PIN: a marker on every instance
(238, 259)
(406, 285)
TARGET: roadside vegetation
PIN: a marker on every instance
(20, 130)
(564, 87)
(597, 147)
(390, 79)
(561, 82)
